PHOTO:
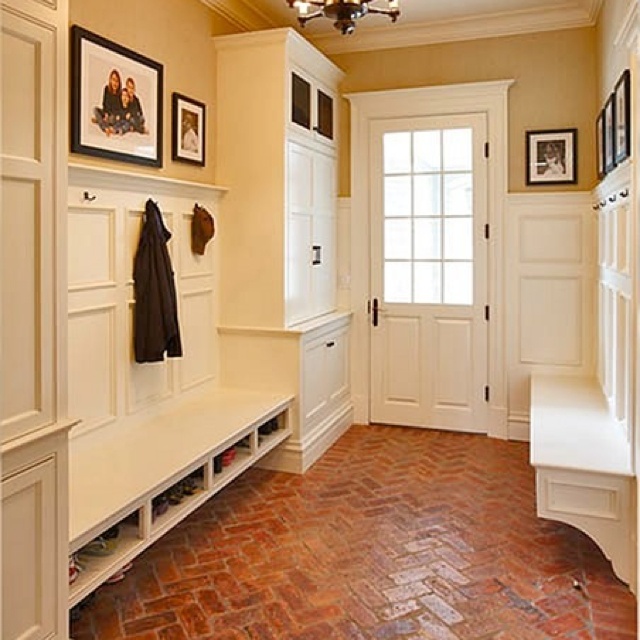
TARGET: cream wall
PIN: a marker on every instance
(176, 33)
(555, 87)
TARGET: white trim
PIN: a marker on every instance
(241, 14)
(628, 32)
(564, 16)
(98, 177)
(486, 97)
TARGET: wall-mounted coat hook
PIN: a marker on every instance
(603, 203)
(613, 198)
(624, 194)
(87, 197)
(595, 207)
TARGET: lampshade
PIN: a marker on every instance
(344, 13)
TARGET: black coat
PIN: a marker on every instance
(156, 327)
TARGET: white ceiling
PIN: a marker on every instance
(421, 21)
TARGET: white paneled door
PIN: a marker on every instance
(429, 272)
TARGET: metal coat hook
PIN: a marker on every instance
(624, 194)
(87, 197)
(613, 198)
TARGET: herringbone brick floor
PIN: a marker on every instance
(394, 533)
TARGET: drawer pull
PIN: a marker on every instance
(331, 344)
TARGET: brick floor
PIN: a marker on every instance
(394, 533)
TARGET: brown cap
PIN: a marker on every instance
(202, 229)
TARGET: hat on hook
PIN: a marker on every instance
(202, 229)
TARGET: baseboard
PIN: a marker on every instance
(295, 456)
(519, 427)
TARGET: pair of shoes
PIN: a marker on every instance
(99, 547)
(174, 494)
(74, 568)
(228, 456)
(268, 427)
(159, 506)
(120, 575)
(217, 464)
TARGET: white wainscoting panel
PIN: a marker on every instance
(106, 385)
(550, 292)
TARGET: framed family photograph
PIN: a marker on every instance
(608, 139)
(600, 144)
(622, 119)
(552, 156)
(188, 127)
(116, 101)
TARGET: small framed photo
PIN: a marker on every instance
(609, 135)
(622, 118)
(552, 156)
(600, 144)
(188, 130)
(116, 101)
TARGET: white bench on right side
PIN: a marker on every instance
(584, 468)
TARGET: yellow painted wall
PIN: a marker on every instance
(176, 33)
(555, 88)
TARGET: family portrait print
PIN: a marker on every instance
(116, 101)
(188, 129)
(551, 156)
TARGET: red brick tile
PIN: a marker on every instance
(147, 623)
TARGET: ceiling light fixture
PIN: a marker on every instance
(344, 13)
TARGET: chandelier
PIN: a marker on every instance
(344, 13)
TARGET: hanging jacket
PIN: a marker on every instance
(156, 327)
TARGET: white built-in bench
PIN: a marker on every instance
(116, 472)
(583, 462)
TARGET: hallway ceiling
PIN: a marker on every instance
(421, 22)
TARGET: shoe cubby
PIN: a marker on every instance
(193, 452)
(105, 555)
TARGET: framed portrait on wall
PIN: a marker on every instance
(600, 144)
(188, 127)
(552, 156)
(116, 101)
(622, 119)
(609, 124)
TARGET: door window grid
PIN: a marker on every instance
(428, 216)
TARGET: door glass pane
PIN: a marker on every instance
(458, 194)
(458, 283)
(427, 287)
(427, 240)
(397, 152)
(458, 239)
(426, 193)
(397, 196)
(397, 281)
(426, 151)
(397, 239)
(458, 150)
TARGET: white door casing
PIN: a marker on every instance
(489, 98)
(429, 272)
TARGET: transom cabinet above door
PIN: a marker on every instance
(276, 153)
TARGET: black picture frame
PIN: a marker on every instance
(188, 130)
(622, 119)
(552, 156)
(102, 71)
(609, 126)
(600, 144)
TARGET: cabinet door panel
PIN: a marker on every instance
(314, 387)
(338, 365)
(323, 274)
(29, 553)
(298, 284)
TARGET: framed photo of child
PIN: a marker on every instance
(552, 156)
(188, 128)
(116, 101)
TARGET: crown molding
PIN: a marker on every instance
(565, 16)
(242, 14)
(628, 33)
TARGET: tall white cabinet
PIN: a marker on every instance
(276, 109)
(33, 317)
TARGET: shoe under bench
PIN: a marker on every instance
(115, 473)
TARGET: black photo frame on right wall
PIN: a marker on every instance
(608, 139)
(622, 117)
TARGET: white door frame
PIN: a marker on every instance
(482, 97)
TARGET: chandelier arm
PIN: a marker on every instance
(310, 16)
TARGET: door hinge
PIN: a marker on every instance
(487, 312)
(486, 393)
(486, 149)
(487, 231)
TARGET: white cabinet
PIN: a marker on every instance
(325, 375)
(33, 422)
(276, 152)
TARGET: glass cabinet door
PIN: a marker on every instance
(325, 115)
(300, 101)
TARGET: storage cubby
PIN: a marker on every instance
(186, 442)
